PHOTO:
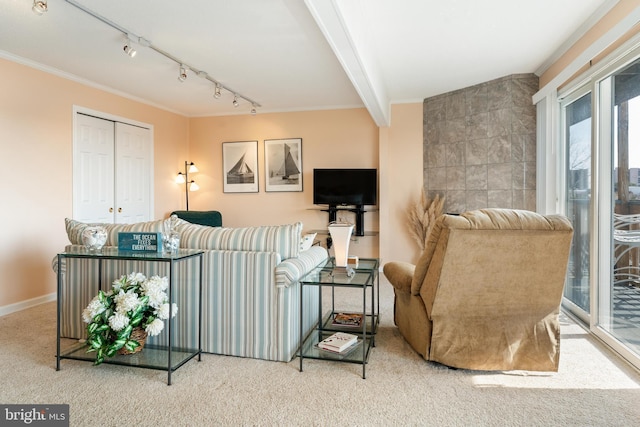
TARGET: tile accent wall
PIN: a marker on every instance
(480, 145)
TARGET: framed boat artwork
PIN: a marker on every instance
(240, 167)
(283, 164)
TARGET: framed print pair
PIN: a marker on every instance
(282, 165)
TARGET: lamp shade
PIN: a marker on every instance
(341, 236)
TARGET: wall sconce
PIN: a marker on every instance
(183, 178)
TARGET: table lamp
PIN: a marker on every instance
(341, 236)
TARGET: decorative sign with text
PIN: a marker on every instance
(139, 242)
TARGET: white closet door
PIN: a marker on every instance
(93, 191)
(134, 174)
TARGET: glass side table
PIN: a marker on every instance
(366, 278)
(164, 357)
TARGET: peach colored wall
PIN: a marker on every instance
(36, 117)
(615, 15)
(36, 133)
(331, 138)
(401, 177)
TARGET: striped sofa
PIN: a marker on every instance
(251, 290)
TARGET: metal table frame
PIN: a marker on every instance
(112, 254)
(366, 277)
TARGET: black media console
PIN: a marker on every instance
(358, 210)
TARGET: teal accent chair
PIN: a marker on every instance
(210, 218)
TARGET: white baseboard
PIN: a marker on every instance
(23, 305)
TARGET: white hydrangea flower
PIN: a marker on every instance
(163, 311)
(155, 284)
(118, 321)
(161, 282)
(118, 284)
(156, 296)
(155, 327)
(174, 309)
(94, 308)
(126, 301)
(136, 278)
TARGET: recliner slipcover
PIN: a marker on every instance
(486, 292)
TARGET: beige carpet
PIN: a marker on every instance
(592, 388)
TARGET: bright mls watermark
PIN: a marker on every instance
(37, 415)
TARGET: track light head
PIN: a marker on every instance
(217, 94)
(129, 50)
(39, 7)
(235, 101)
(253, 110)
(183, 73)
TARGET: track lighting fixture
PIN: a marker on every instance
(39, 7)
(183, 73)
(253, 110)
(129, 50)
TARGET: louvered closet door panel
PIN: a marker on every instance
(93, 163)
(134, 174)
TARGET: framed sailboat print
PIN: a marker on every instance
(283, 164)
(240, 167)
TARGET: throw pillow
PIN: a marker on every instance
(307, 241)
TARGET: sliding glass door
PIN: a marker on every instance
(577, 143)
(619, 296)
(599, 190)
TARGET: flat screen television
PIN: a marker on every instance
(345, 187)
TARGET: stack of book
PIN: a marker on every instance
(352, 320)
(340, 342)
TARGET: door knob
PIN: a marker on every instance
(119, 210)
(110, 209)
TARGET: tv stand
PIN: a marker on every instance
(358, 210)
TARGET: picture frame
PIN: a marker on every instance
(283, 164)
(240, 167)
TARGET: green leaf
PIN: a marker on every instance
(103, 328)
(126, 332)
(131, 345)
(92, 327)
(118, 344)
(135, 321)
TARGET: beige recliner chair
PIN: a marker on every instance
(486, 292)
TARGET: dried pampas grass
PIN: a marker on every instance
(422, 217)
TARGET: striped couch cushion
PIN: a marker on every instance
(75, 229)
(291, 270)
(282, 239)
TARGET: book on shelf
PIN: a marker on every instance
(339, 342)
(347, 319)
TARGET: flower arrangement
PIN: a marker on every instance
(134, 301)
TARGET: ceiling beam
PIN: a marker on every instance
(361, 72)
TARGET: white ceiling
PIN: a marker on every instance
(293, 55)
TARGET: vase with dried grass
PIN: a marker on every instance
(423, 215)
